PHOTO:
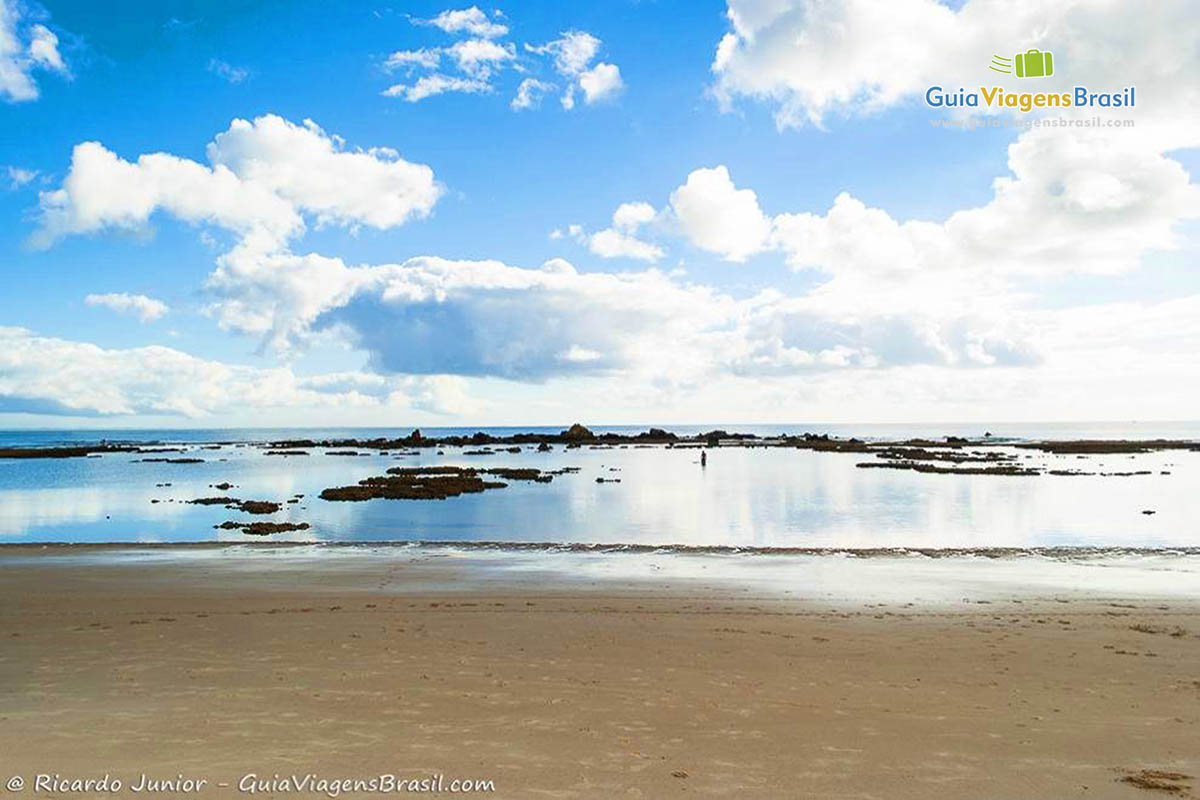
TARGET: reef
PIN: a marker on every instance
(63, 452)
(917, 466)
(263, 528)
(431, 483)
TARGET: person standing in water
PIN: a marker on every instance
(703, 459)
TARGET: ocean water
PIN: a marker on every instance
(743, 498)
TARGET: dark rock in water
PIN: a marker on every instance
(955, 456)
(1108, 446)
(510, 474)
(293, 444)
(823, 444)
(544, 448)
(918, 466)
(160, 450)
(956, 440)
(415, 435)
(1148, 511)
(422, 483)
(608, 480)
(477, 452)
(577, 433)
(62, 452)
(430, 483)
(341, 452)
(513, 449)
(263, 528)
(257, 506)
(226, 486)
(214, 501)
(285, 453)
(170, 460)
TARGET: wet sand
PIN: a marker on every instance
(553, 688)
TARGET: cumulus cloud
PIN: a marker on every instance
(24, 49)
(718, 217)
(571, 54)
(147, 309)
(480, 56)
(469, 20)
(572, 51)
(48, 375)
(600, 82)
(620, 240)
(265, 176)
(811, 58)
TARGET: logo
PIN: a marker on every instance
(1033, 63)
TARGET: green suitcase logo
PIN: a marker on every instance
(1033, 63)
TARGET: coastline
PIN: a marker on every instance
(582, 686)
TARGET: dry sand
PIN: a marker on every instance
(215, 669)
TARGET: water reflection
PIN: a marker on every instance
(742, 497)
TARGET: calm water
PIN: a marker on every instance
(744, 497)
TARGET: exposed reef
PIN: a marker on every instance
(1108, 446)
(263, 528)
(64, 452)
(431, 483)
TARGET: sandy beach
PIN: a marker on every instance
(217, 668)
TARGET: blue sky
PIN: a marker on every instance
(802, 321)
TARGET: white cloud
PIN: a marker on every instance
(610, 243)
(426, 58)
(24, 49)
(629, 216)
(1073, 205)
(43, 49)
(47, 375)
(620, 240)
(227, 71)
(18, 177)
(470, 20)
(314, 171)
(812, 58)
(433, 85)
(600, 82)
(571, 53)
(265, 176)
(718, 217)
(479, 56)
(147, 309)
(529, 94)
(476, 63)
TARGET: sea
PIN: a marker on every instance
(741, 500)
